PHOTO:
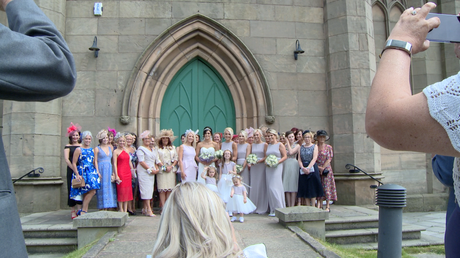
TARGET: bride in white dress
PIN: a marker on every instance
(207, 146)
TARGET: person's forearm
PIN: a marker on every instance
(36, 62)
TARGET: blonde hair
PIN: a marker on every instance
(194, 223)
(262, 138)
(216, 175)
(238, 177)
(244, 133)
(230, 130)
(194, 137)
(273, 131)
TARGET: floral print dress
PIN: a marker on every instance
(328, 181)
(87, 170)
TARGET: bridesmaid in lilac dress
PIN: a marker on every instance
(228, 144)
(275, 174)
(258, 193)
(187, 164)
(244, 149)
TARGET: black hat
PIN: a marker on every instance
(321, 133)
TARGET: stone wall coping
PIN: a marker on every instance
(101, 219)
(354, 176)
(39, 181)
(301, 213)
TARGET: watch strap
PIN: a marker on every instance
(397, 44)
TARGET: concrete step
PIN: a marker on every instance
(50, 245)
(368, 235)
(49, 231)
(425, 240)
(358, 222)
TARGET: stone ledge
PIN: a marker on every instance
(301, 213)
(39, 181)
(308, 218)
(99, 219)
(94, 225)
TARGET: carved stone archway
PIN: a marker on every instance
(195, 36)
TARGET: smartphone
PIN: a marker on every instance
(448, 31)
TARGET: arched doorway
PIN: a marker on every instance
(197, 97)
(203, 37)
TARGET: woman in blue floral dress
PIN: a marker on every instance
(84, 157)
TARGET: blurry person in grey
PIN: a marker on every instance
(35, 65)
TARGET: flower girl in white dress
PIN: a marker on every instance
(210, 176)
(227, 171)
(239, 202)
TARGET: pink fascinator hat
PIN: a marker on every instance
(250, 131)
(113, 131)
(72, 128)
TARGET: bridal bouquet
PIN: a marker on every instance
(206, 157)
(219, 154)
(251, 159)
(238, 168)
(271, 161)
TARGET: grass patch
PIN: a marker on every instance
(80, 252)
(407, 252)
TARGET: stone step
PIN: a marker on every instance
(358, 222)
(368, 235)
(425, 240)
(49, 231)
(48, 255)
(51, 245)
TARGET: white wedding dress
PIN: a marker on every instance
(211, 151)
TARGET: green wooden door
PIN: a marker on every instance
(197, 97)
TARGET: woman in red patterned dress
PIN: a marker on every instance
(325, 155)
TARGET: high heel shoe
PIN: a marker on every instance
(79, 212)
(73, 214)
(149, 213)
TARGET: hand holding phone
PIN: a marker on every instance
(448, 31)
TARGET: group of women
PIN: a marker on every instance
(116, 169)
(303, 175)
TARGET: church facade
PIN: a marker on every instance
(192, 63)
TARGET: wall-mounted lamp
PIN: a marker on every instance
(297, 50)
(94, 47)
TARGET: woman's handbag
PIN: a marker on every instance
(325, 172)
(78, 183)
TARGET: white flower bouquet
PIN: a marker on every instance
(271, 161)
(239, 169)
(206, 157)
(252, 159)
(219, 154)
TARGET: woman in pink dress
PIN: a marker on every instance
(325, 155)
(186, 153)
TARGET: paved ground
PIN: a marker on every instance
(137, 238)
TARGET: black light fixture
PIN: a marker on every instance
(297, 50)
(94, 47)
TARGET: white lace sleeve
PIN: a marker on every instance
(444, 104)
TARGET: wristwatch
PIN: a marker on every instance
(398, 44)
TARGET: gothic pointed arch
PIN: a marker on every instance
(196, 36)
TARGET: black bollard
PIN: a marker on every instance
(391, 199)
